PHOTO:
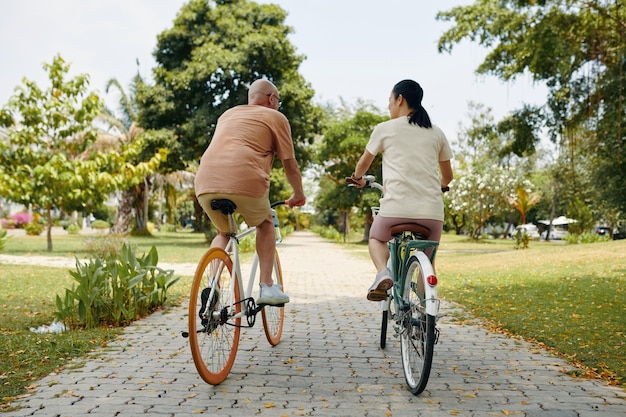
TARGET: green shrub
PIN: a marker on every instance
(328, 232)
(167, 227)
(100, 225)
(105, 246)
(3, 239)
(587, 237)
(521, 240)
(73, 229)
(34, 228)
(114, 290)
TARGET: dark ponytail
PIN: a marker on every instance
(413, 94)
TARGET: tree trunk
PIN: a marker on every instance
(142, 193)
(124, 213)
(369, 219)
(49, 233)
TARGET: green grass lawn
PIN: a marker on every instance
(570, 298)
(179, 247)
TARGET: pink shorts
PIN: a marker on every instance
(381, 228)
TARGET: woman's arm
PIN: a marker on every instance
(363, 165)
(446, 173)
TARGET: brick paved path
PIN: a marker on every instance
(327, 364)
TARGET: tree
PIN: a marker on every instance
(577, 47)
(127, 130)
(49, 160)
(479, 195)
(524, 200)
(337, 154)
(205, 64)
(488, 171)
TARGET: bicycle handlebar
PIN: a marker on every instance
(280, 203)
(370, 182)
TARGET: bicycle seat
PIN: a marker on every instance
(417, 229)
(224, 205)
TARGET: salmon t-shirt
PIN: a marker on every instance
(240, 155)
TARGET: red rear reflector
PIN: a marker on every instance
(432, 280)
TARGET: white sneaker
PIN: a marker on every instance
(378, 290)
(272, 295)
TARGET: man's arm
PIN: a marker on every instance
(292, 172)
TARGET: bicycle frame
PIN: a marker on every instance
(401, 248)
(232, 249)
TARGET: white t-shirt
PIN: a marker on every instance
(411, 156)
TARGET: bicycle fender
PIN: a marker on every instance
(430, 292)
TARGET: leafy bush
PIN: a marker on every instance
(34, 228)
(114, 290)
(20, 219)
(168, 227)
(3, 239)
(100, 224)
(7, 223)
(521, 240)
(105, 246)
(73, 229)
(328, 232)
(587, 237)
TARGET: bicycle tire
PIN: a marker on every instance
(417, 337)
(386, 306)
(213, 342)
(274, 316)
(383, 329)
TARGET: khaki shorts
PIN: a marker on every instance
(254, 210)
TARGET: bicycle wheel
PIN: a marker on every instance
(274, 316)
(417, 338)
(214, 293)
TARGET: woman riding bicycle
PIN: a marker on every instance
(414, 154)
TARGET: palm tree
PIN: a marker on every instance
(523, 202)
(168, 188)
(127, 129)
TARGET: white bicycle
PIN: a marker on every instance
(219, 301)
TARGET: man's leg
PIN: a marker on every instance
(219, 241)
(265, 248)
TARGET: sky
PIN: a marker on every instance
(355, 50)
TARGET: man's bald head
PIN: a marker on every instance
(264, 93)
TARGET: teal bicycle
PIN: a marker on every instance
(411, 302)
